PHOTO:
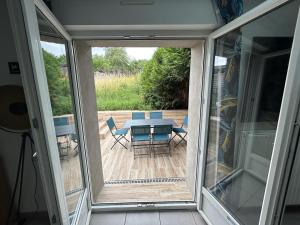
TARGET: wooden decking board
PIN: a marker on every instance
(116, 193)
(119, 164)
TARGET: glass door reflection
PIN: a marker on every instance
(59, 80)
(249, 72)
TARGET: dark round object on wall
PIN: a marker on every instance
(13, 109)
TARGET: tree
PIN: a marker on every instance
(59, 86)
(137, 66)
(165, 78)
(99, 63)
(118, 60)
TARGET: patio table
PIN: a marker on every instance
(64, 130)
(151, 122)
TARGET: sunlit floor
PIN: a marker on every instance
(119, 164)
(70, 165)
(148, 192)
(144, 179)
(151, 179)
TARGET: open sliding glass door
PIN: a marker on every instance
(58, 135)
(248, 113)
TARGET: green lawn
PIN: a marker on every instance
(119, 93)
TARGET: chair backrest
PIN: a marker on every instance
(185, 121)
(138, 115)
(162, 129)
(140, 130)
(61, 121)
(111, 124)
(156, 115)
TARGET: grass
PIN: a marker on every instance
(119, 93)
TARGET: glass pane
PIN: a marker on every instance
(57, 67)
(229, 9)
(291, 212)
(250, 68)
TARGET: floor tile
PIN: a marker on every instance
(108, 218)
(142, 218)
(198, 219)
(177, 218)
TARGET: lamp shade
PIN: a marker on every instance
(13, 110)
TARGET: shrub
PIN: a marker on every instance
(165, 78)
(58, 84)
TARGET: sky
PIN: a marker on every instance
(133, 52)
(54, 48)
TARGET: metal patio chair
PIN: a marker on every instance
(161, 136)
(156, 115)
(181, 132)
(138, 115)
(74, 138)
(118, 134)
(141, 138)
(66, 143)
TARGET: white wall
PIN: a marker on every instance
(111, 12)
(195, 90)
(10, 143)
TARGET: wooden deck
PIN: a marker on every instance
(121, 170)
(119, 164)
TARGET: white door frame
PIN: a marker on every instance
(286, 118)
(31, 62)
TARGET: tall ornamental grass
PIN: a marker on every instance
(119, 93)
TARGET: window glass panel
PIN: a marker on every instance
(59, 80)
(231, 9)
(248, 79)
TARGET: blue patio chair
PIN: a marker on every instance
(181, 132)
(141, 138)
(156, 115)
(118, 134)
(61, 121)
(74, 138)
(66, 143)
(138, 115)
(161, 136)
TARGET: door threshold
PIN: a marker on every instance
(144, 206)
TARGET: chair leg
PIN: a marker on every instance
(126, 138)
(182, 139)
(118, 140)
(123, 136)
(170, 148)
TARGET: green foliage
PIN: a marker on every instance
(119, 93)
(165, 78)
(58, 84)
(161, 83)
(117, 61)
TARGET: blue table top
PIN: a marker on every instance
(64, 130)
(151, 122)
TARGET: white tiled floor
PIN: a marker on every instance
(174, 217)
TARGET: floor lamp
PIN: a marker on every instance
(14, 119)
